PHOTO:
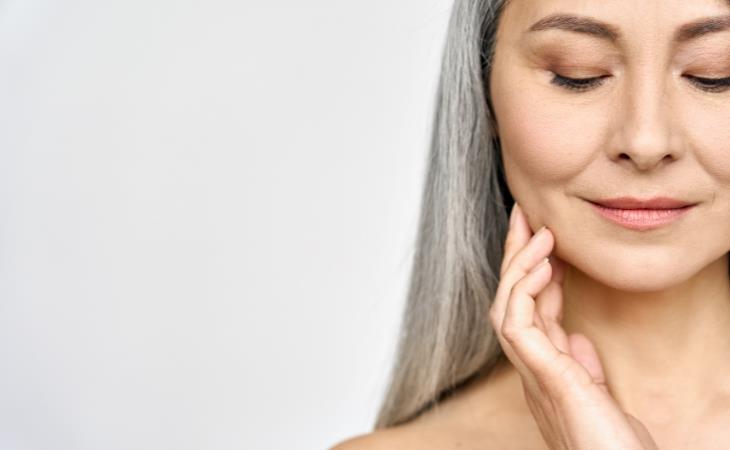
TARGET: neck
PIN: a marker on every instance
(665, 352)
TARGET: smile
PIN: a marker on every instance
(641, 219)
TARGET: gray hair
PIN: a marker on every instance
(446, 337)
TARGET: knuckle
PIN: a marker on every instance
(517, 287)
(493, 315)
(510, 332)
(540, 321)
(518, 266)
(522, 266)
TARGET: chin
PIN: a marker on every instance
(643, 264)
(636, 276)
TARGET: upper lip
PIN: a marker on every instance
(636, 203)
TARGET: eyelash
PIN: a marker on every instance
(585, 84)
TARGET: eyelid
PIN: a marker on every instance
(716, 85)
(710, 85)
(577, 84)
(708, 80)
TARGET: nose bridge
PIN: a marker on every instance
(647, 116)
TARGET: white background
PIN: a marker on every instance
(207, 217)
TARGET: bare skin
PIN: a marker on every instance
(656, 304)
(490, 413)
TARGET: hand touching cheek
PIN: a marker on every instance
(562, 376)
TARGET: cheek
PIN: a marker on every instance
(707, 133)
(543, 138)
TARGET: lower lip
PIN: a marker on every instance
(641, 219)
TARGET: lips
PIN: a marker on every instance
(642, 215)
(635, 203)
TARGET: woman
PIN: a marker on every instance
(609, 124)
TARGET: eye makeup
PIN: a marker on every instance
(712, 85)
(577, 84)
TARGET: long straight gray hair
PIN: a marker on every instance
(446, 337)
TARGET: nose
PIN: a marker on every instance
(646, 137)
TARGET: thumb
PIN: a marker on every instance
(642, 432)
(583, 351)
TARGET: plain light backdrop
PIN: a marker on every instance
(207, 217)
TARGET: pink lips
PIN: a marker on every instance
(638, 214)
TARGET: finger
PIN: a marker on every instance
(540, 323)
(525, 260)
(583, 351)
(518, 234)
(502, 326)
(520, 312)
(643, 433)
(533, 349)
(549, 309)
(550, 302)
(517, 265)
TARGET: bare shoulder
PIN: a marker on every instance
(488, 415)
(386, 439)
(434, 437)
(413, 436)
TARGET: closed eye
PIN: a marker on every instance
(584, 84)
(711, 84)
(577, 84)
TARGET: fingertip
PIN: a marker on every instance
(559, 268)
(522, 226)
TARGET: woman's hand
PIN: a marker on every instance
(562, 376)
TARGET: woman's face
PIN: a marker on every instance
(645, 129)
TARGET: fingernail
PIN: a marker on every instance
(513, 214)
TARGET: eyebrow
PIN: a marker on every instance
(611, 33)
